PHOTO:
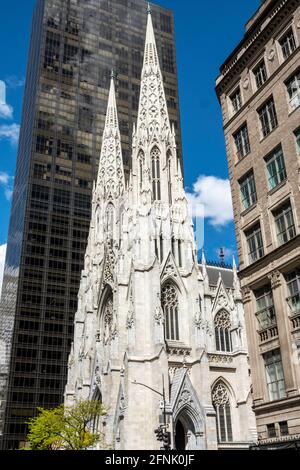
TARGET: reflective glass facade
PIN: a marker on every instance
(74, 46)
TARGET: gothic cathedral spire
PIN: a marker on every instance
(110, 181)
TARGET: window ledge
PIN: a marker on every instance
(240, 159)
(280, 185)
(293, 110)
(271, 132)
(246, 211)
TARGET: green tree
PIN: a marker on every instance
(67, 428)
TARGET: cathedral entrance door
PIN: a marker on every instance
(185, 438)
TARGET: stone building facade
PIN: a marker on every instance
(259, 91)
(156, 334)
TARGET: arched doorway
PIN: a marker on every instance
(180, 437)
(185, 437)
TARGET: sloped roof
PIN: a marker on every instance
(213, 275)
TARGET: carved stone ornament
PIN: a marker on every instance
(184, 399)
(98, 375)
(298, 23)
(246, 83)
(246, 294)
(220, 395)
(130, 319)
(222, 299)
(271, 55)
(275, 278)
(170, 270)
(219, 359)
(109, 266)
(200, 323)
(159, 315)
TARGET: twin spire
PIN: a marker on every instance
(153, 117)
(111, 181)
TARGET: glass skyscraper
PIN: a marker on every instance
(74, 46)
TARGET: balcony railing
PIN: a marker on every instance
(268, 333)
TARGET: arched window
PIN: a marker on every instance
(169, 303)
(141, 167)
(155, 163)
(159, 248)
(222, 331)
(221, 403)
(169, 167)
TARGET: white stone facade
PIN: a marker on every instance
(149, 317)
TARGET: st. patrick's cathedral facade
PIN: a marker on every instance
(158, 336)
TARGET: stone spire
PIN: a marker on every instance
(153, 112)
(151, 55)
(110, 181)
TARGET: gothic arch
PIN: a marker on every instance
(188, 414)
(155, 154)
(170, 307)
(222, 403)
(222, 330)
(228, 386)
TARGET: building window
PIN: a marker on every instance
(242, 143)
(248, 190)
(155, 161)
(284, 429)
(221, 403)
(275, 168)
(274, 375)
(293, 284)
(288, 44)
(169, 303)
(236, 100)
(293, 89)
(260, 74)
(222, 325)
(271, 430)
(265, 313)
(297, 136)
(254, 243)
(268, 117)
(284, 222)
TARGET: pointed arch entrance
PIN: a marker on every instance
(185, 434)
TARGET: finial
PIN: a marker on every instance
(222, 256)
(112, 74)
(234, 267)
(149, 10)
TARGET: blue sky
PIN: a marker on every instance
(206, 33)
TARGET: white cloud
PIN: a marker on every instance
(6, 111)
(2, 262)
(6, 182)
(214, 195)
(14, 82)
(10, 132)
